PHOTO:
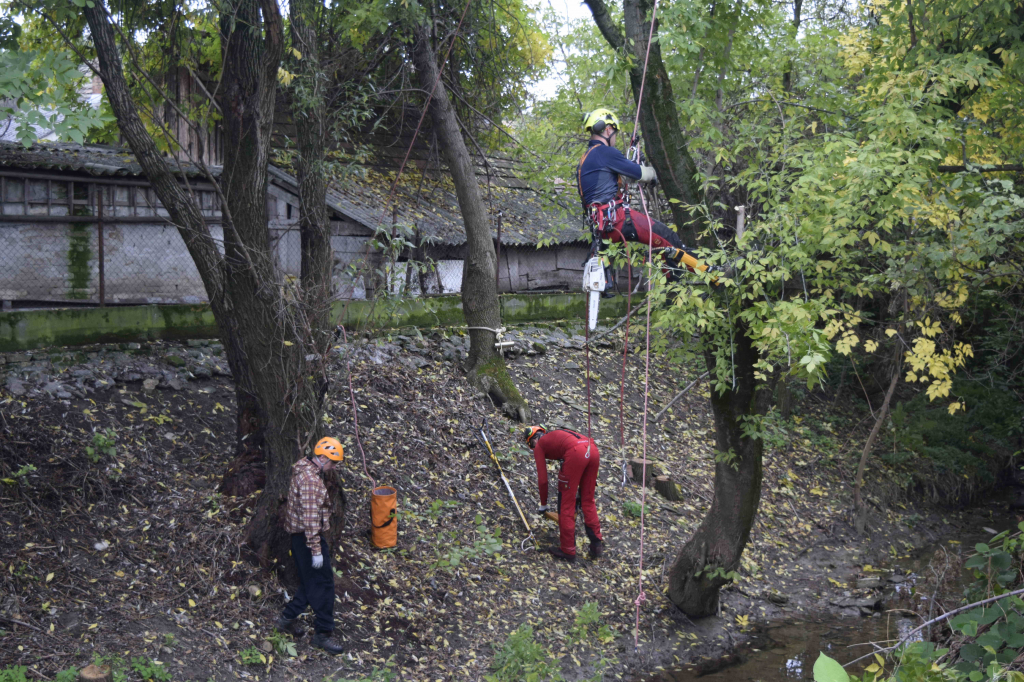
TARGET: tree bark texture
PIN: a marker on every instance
(254, 312)
(659, 119)
(719, 541)
(485, 367)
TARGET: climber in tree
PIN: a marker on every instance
(601, 178)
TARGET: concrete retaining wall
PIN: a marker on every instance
(28, 329)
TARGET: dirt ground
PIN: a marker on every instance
(129, 552)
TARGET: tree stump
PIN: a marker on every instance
(96, 673)
(637, 465)
(667, 488)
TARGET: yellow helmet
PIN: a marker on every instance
(598, 119)
(330, 448)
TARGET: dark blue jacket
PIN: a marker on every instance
(599, 170)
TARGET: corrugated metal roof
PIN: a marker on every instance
(93, 159)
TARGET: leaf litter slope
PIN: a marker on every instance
(113, 556)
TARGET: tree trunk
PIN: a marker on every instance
(276, 388)
(667, 488)
(659, 118)
(787, 76)
(485, 367)
(859, 508)
(718, 543)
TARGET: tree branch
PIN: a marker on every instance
(611, 32)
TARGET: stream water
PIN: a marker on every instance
(784, 651)
(787, 650)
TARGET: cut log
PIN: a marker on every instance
(96, 673)
(637, 465)
(667, 488)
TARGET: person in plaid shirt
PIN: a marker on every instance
(307, 517)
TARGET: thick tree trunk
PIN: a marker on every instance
(787, 75)
(275, 388)
(698, 571)
(486, 368)
(659, 119)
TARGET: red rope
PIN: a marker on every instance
(641, 596)
(625, 350)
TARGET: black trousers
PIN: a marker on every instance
(316, 586)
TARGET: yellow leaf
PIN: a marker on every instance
(890, 333)
(836, 582)
(288, 343)
(49, 577)
(191, 604)
(817, 491)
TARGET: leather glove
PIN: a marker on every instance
(648, 174)
(318, 561)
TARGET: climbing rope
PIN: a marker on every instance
(641, 596)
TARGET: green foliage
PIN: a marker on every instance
(69, 675)
(103, 443)
(996, 565)
(522, 659)
(21, 475)
(13, 674)
(729, 459)
(957, 455)
(118, 666)
(828, 670)
(150, 670)
(437, 508)
(282, 644)
(588, 617)
(251, 656)
(40, 89)
(632, 508)
(717, 573)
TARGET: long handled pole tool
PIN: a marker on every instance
(482, 436)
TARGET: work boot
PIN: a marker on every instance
(292, 627)
(596, 549)
(557, 552)
(322, 640)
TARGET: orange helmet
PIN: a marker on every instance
(330, 448)
(531, 432)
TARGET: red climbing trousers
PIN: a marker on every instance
(580, 462)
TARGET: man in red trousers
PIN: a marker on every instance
(580, 462)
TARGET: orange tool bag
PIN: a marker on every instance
(383, 517)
